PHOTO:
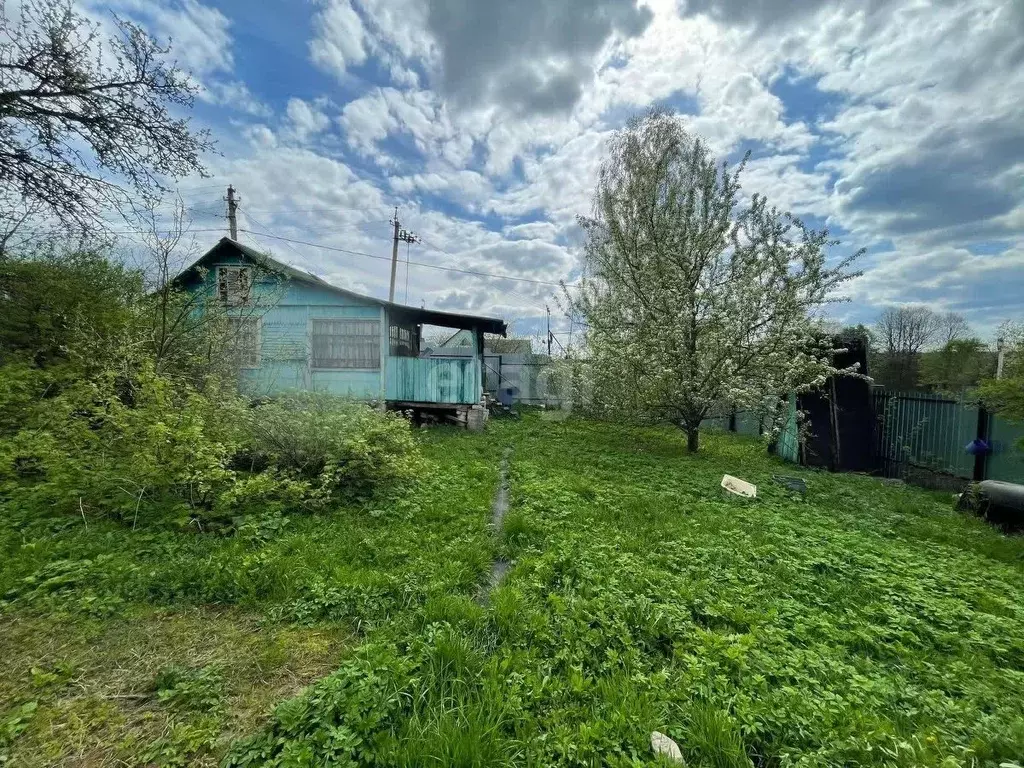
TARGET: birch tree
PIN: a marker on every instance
(693, 301)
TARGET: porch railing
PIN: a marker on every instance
(450, 380)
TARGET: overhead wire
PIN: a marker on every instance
(522, 297)
(476, 273)
(258, 223)
(200, 188)
(530, 301)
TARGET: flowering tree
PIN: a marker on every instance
(691, 302)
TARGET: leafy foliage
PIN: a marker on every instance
(55, 305)
(184, 688)
(956, 367)
(1006, 395)
(691, 302)
(902, 336)
(345, 447)
(113, 443)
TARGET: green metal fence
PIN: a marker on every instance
(923, 438)
(920, 437)
(1006, 462)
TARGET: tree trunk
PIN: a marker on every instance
(692, 439)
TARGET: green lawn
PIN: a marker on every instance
(863, 625)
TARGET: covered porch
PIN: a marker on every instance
(414, 380)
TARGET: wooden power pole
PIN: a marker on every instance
(232, 210)
(548, 309)
(400, 236)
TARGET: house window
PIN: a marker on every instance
(346, 343)
(233, 284)
(244, 340)
(402, 344)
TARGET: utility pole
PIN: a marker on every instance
(1000, 356)
(232, 208)
(548, 309)
(400, 236)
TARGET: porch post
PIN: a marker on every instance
(479, 339)
(385, 350)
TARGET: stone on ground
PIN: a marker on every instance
(663, 745)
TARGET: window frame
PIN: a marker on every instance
(258, 342)
(223, 292)
(316, 364)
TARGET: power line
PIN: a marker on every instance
(264, 226)
(414, 263)
(531, 301)
(197, 189)
(312, 210)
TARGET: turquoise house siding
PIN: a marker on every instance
(285, 302)
(285, 309)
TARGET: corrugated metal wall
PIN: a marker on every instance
(1007, 459)
(529, 374)
(433, 379)
(919, 431)
(788, 444)
(921, 437)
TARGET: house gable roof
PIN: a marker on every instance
(428, 316)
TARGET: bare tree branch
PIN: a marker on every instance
(87, 123)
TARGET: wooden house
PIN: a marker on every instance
(295, 331)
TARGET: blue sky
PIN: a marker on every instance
(897, 125)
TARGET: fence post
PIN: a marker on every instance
(980, 458)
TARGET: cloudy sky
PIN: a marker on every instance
(899, 125)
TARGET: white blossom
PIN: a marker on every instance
(691, 303)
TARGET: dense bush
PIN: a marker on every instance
(344, 448)
(120, 444)
(125, 446)
(106, 412)
(56, 305)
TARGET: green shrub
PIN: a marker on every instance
(266, 493)
(141, 446)
(119, 444)
(346, 449)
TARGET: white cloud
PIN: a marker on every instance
(561, 183)
(260, 136)
(986, 287)
(367, 120)
(535, 230)
(899, 123)
(199, 34)
(789, 187)
(235, 95)
(340, 38)
(306, 120)
(745, 110)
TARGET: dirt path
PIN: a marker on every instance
(499, 507)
